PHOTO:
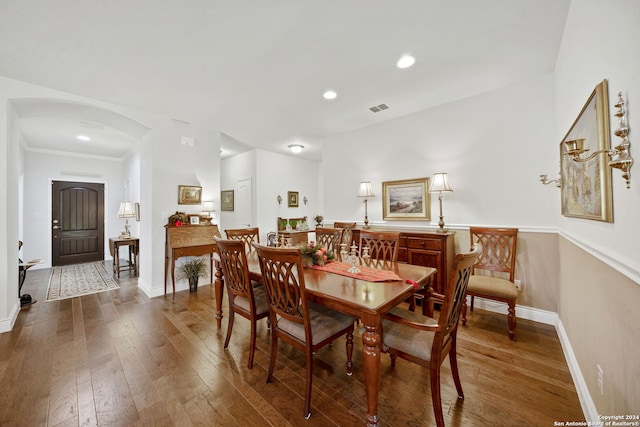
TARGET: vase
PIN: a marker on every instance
(193, 284)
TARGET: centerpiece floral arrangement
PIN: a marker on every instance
(315, 254)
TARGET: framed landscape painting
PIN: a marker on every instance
(406, 200)
(586, 184)
(189, 194)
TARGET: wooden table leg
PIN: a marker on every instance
(116, 259)
(219, 291)
(371, 368)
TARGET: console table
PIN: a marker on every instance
(134, 248)
(188, 240)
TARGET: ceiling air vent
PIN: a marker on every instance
(378, 108)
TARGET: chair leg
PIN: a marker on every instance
(435, 394)
(511, 317)
(307, 392)
(453, 360)
(350, 352)
(393, 360)
(274, 352)
(229, 329)
(252, 349)
(472, 301)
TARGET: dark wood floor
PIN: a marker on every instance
(121, 359)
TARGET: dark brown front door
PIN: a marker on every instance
(77, 233)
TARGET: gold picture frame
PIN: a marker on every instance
(292, 199)
(226, 200)
(406, 200)
(189, 195)
(586, 185)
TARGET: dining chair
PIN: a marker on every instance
(247, 235)
(303, 324)
(499, 259)
(330, 238)
(245, 298)
(383, 245)
(347, 233)
(427, 341)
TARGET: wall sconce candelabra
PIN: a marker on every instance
(619, 156)
(279, 199)
(546, 181)
(305, 200)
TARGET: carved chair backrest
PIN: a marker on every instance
(247, 235)
(499, 247)
(233, 259)
(455, 292)
(347, 234)
(382, 244)
(283, 278)
(330, 238)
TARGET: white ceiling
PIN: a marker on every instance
(256, 70)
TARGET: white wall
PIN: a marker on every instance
(600, 262)
(40, 169)
(273, 174)
(490, 146)
(232, 169)
(162, 164)
(602, 41)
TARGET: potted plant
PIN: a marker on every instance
(193, 270)
(318, 219)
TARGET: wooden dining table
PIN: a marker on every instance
(368, 301)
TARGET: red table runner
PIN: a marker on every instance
(366, 273)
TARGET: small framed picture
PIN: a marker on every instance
(292, 197)
(226, 200)
(194, 219)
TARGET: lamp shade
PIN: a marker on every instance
(207, 207)
(439, 183)
(126, 210)
(365, 189)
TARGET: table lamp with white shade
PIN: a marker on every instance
(126, 211)
(365, 191)
(207, 207)
(440, 184)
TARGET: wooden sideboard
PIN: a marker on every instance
(427, 248)
(188, 240)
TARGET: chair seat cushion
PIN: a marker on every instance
(492, 286)
(415, 342)
(324, 323)
(262, 305)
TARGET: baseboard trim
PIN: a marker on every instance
(6, 325)
(550, 318)
(522, 312)
(159, 292)
(588, 407)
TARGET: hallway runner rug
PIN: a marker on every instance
(70, 281)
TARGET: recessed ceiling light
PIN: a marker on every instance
(406, 61)
(296, 148)
(84, 138)
(329, 95)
